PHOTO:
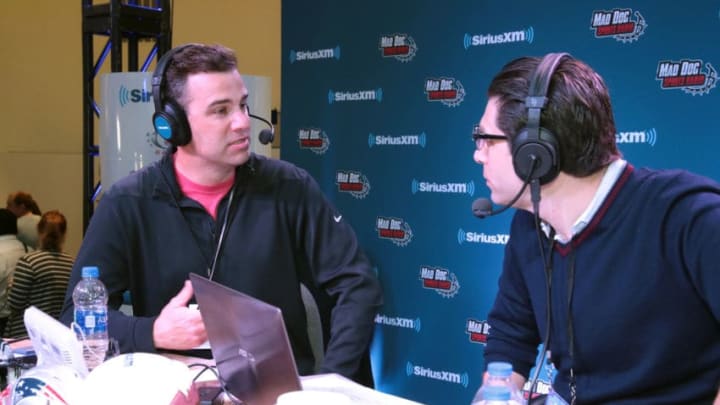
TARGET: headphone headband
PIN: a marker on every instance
(169, 119)
(159, 75)
(540, 82)
(535, 149)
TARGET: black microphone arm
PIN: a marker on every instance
(482, 207)
(266, 136)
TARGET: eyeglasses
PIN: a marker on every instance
(480, 138)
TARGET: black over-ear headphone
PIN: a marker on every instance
(169, 119)
(535, 149)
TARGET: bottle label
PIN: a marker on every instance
(91, 321)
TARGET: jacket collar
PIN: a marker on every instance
(167, 187)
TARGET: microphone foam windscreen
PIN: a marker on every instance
(481, 207)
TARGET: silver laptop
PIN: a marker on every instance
(248, 341)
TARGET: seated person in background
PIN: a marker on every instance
(28, 213)
(258, 225)
(11, 249)
(616, 266)
(41, 277)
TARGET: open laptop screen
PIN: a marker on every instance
(248, 341)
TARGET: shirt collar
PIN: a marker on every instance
(612, 173)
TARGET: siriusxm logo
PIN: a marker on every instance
(329, 53)
(472, 237)
(133, 96)
(400, 140)
(649, 136)
(527, 35)
(362, 95)
(447, 376)
(398, 322)
(452, 188)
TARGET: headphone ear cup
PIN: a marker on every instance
(171, 123)
(536, 156)
(169, 119)
(535, 150)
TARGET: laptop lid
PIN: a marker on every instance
(248, 341)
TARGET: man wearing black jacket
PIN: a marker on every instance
(209, 206)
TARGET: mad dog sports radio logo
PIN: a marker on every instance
(394, 229)
(618, 24)
(447, 90)
(399, 46)
(440, 280)
(687, 75)
(446, 376)
(314, 139)
(477, 331)
(353, 183)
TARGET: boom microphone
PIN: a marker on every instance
(266, 136)
(482, 207)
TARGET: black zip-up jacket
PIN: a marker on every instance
(146, 237)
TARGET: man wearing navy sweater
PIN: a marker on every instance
(613, 267)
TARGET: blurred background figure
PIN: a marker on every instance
(28, 214)
(11, 249)
(41, 277)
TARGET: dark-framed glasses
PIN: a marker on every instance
(480, 138)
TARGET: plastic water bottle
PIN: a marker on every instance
(499, 375)
(494, 395)
(90, 298)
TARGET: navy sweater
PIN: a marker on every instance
(146, 237)
(644, 300)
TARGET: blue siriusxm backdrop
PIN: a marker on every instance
(378, 102)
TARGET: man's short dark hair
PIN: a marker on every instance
(578, 112)
(191, 59)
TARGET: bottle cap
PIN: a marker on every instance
(500, 369)
(90, 271)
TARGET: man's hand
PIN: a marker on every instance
(179, 327)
